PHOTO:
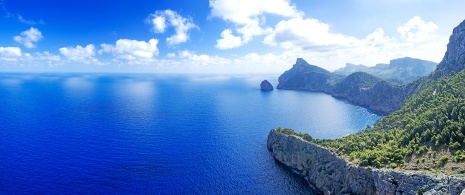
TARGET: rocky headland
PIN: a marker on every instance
(331, 174)
(359, 88)
(440, 94)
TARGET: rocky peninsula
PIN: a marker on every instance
(331, 174)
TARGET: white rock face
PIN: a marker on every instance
(331, 174)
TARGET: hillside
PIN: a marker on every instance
(303, 76)
(399, 71)
(359, 88)
(428, 132)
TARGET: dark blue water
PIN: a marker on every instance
(100, 134)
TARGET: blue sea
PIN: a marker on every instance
(156, 134)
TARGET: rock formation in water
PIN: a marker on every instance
(331, 174)
(360, 88)
(266, 86)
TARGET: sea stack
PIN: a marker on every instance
(266, 86)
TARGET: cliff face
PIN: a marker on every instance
(454, 59)
(331, 174)
(360, 88)
(303, 76)
(369, 91)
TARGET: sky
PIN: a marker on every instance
(219, 36)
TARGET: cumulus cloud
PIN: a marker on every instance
(46, 56)
(311, 37)
(133, 51)
(171, 55)
(80, 54)
(307, 34)
(249, 19)
(29, 37)
(168, 18)
(191, 58)
(417, 30)
(228, 40)
(10, 53)
(14, 56)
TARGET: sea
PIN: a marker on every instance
(78, 133)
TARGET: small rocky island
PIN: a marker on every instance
(266, 86)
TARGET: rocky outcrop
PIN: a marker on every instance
(266, 86)
(359, 88)
(331, 174)
(303, 76)
(454, 59)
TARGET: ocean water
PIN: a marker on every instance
(158, 134)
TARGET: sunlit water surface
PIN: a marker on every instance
(101, 133)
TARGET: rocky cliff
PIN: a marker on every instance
(454, 59)
(303, 76)
(331, 174)
(360, 88)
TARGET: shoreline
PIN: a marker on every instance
(331, 174)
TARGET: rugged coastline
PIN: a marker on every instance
(331, 174)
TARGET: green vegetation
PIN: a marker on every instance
(288, 131)
(428, 131)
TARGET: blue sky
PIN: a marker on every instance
(219, 36)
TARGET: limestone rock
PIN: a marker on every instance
(266, 86)
(331, 174)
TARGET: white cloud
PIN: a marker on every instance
(171, 55)
(46, 56)
(10, 53)
(228, 40)
(417, 30)
(249, 19)
(313, 38)
(14, 56)
(29, 37)
(245, 12)
(163, 19)
(203, 59)
(133, 51)
(159, 25)
(307, 34)
(80, 54)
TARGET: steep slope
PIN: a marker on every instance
(359, 88)
(399, 71)
(428, 132)
(369, 91)
(454, 59)
(303, 76)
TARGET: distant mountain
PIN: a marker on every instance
(303, 76)
(399, 71)
(360, 88)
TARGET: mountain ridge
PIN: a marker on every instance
(399, 71)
